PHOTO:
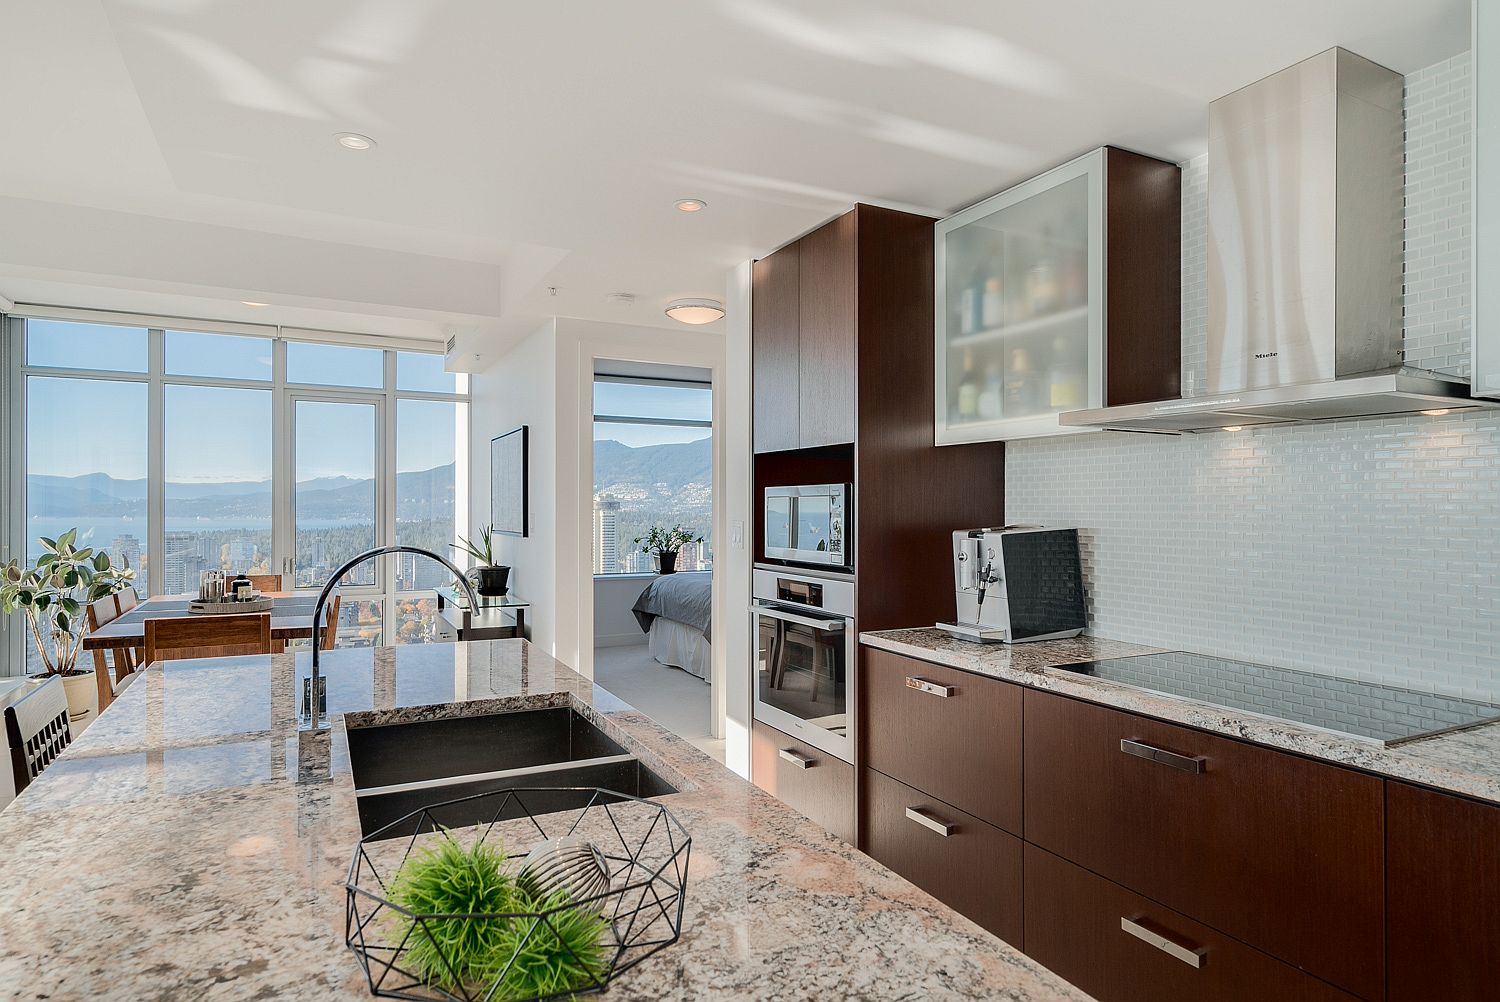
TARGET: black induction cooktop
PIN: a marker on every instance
(1364, 710)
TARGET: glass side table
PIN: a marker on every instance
(499, 617)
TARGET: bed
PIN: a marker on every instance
(675, 613)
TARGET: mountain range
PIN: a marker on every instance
(677, 475)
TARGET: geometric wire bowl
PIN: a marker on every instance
(646, 846)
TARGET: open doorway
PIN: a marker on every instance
(653, 542)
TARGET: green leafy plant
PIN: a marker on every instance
(558, 953)
(659, 540)
(483, 551)
(53, 594)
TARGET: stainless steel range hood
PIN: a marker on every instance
(1304, 259)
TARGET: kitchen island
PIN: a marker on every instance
(172, 852)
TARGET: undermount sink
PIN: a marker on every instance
(401, 768)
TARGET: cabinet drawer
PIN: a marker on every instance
(948, 733)
(1280, 852)
(805, 778)
(975, 868)
(1089, 930)
(1443, 882)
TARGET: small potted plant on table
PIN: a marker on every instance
(665, 544)
(54, 594)
(490, 579)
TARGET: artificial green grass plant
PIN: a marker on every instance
(564, 951)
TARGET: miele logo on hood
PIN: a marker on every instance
(1267, 354)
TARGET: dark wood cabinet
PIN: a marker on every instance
(973, 867)
(807, 779)
(828, 345)
(1122, 947)
(774, 304)
(805, 340)
(1443, 896)
(1281, 852)
(953, 735)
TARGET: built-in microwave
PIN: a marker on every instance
(809, 524)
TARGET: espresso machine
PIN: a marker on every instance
(1015, 584)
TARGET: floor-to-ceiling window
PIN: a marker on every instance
(653, 460)
(241, 449)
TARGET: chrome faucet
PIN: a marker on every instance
(313, 700)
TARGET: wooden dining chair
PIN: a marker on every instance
(207, 636)
(129, 600)
(36, 727)
(110, 682)
(331, 631)
(260, 582)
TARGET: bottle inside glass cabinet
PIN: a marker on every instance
(967, 408)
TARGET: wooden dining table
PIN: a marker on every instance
(291, 619)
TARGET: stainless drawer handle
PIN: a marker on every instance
(931, 688)
(1193, 956)
(1187, 763)
(926, 820)
(798, 759)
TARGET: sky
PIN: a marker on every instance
(641, 400)
(216, 434)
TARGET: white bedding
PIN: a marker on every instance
(678, 646)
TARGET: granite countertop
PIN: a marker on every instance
(171, 852)
(1465, 762)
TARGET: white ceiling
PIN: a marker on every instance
(177, 155)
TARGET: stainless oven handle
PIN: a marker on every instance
(772, 612)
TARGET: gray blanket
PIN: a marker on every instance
(686, 598)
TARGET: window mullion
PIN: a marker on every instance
(156, 463)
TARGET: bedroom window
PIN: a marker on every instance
(653, 457)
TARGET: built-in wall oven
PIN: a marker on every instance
(809, 524)
(803, 626)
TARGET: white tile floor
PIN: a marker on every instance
(678, 701)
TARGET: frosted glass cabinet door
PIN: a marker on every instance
(1019, 307)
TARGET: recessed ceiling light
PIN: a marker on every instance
(1438, 412)
(691, 204)
(1234, 427)
(695, 311)
(354, 141)
(246, 302)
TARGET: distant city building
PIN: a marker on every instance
(690, 558)
(240, 554)
(606, 535)
(126, 551)
(182, 564)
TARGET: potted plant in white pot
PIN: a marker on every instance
(665, 544)
(490, 578)
(53, 595)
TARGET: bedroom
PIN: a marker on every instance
(652, 542)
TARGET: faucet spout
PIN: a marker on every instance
(314, 702)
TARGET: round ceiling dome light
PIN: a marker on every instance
(354, 141)
(695, 311)
(690, 204)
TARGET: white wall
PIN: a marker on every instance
(522, 389)
(614, 624)
(732, 558)
(1360, 548)
(547, 382)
